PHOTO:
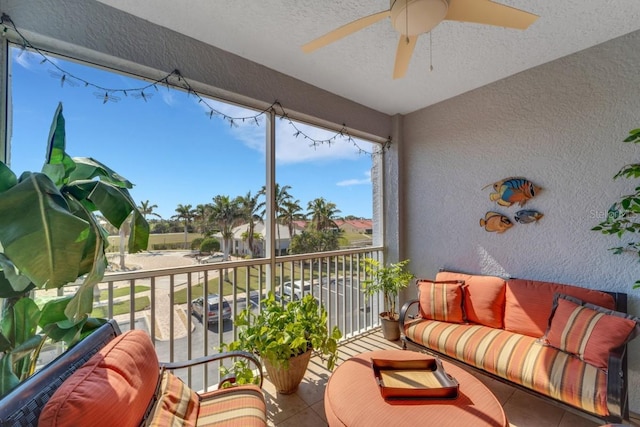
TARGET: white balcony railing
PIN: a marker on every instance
(159, 300)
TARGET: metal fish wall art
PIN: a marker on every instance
(527, 216)
(513, 190)
(495, 221)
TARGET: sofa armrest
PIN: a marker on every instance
(215, 357)
(404, 312)
(617, 388)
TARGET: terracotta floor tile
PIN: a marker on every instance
(306, 406)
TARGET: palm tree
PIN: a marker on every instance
(225, 213)
(249, 207)
(290, 212)
(146, 208)
(281, 196)
(202, 213)
(322, 214)
(186, 214)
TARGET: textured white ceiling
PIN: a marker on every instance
(359, 67)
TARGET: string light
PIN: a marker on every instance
(176, 80)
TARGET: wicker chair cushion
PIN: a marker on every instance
(113, 388)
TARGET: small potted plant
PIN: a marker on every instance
(284, 335)
(389, 280)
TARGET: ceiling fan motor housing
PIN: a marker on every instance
(413, 17)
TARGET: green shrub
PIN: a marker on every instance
(210, 245)
(195, 243)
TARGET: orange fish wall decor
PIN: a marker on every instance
(495, 221)
(513, 190)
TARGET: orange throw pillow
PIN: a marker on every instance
(588, 331)
(441, 300)
(484, 297)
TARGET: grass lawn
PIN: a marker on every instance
(122, 307)
(120, 292)
(241, 283)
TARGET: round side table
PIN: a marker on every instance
(352, 398)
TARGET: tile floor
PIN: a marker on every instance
(305, 408)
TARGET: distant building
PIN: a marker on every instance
(240, 244)
(361, 225)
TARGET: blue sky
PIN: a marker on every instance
(169, 147)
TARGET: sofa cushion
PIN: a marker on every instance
(483, 297)
(518, 358)
(177, 404)
(441, 300)
(113, 388)
(529, 302)
(589, 332)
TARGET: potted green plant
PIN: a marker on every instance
(49, 237)
(388, 280)
(622, 217)
(283, 335)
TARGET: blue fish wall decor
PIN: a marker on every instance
(527, 216)
(513, 190)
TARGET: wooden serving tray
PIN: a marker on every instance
(409, 379)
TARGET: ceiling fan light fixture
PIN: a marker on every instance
(421, 17)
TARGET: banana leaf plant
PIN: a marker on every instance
(50, 237)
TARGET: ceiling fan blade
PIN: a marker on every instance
(344, 31)
(403, 55)
(489, 13)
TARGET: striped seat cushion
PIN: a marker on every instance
(177, 404)
(242, 406)
(518, 358)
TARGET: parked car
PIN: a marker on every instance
(217, 257)
(297, 290)
(197, 308)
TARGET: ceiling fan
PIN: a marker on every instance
(414, 17)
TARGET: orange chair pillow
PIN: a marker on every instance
(441, 300)
(111, 389)
(588, 331)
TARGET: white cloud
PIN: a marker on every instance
(27, 59)
(355, 181)
(167, 97)
(295, 142)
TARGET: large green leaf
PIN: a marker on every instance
(7, 178)
(139, 236)
(8, 379)
(95, 236)
(26, 348)
(39, 234)
(24, 315)
(81, 304)
(5, 344)
(88, 168)
(116, 205)
(53, 311)
(12, 284)
(59, 164)
(113, 202)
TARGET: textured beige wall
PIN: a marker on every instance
(560, 125)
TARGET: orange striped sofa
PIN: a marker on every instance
(564, 343)
(121, 383)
